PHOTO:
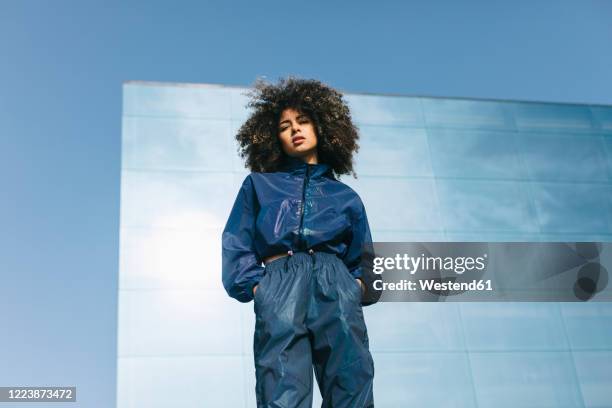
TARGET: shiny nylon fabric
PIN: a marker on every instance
(299, 208)
(308, 312)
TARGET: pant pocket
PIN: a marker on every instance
(351, 283)
(356, 287)
(259, 295)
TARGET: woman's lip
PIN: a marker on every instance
(298, 139)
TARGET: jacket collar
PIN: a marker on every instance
(296, 166)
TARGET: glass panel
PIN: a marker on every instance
(423, 380)
(411, 201)
(177, 144)
(168, 258)
(513, 326)
(485, 206)
(174, 100)
(534, 379)
(474, 153)
(162, 382)
(404, 236)
(385, 110)
(397, 327)
(607, 141)
(551, 117)
(593, 369)
(488, 236)
(602, 116)
(393, 151)
(162, 322)
(176, 199)
(238, 101)
(589, 325)
(458, 113)
(575, 237)
(573, 207)
(563, 157)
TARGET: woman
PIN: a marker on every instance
(309, 230)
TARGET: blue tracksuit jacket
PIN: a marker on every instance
(299, 208)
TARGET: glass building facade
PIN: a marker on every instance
(430, 169)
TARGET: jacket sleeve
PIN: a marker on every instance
(241, 266)
(360, 255)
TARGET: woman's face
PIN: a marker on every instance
(297, 134)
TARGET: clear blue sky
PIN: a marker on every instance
(62, 64)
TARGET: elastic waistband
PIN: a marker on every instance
(300, 257)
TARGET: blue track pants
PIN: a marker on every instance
(308, 313)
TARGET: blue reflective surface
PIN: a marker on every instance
(423, 379)
(477, 154)
(410, 156)
(386, 111)
(524, 326)
(430, 169)
(554, 118)
(573, 207)
(163, 143)
(602, 118)
(461, 113)
(475, 205)
(563, 157)
(525, 379)
(593, 371)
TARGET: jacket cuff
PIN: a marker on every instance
(244, 292)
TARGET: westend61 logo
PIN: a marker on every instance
(487, 271)
(412, 264)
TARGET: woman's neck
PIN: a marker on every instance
(311, 158)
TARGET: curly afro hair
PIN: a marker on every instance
(337, 136)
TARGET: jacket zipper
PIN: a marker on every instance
(301, 229)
